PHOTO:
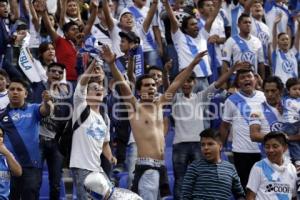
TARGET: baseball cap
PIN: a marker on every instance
(131, 36)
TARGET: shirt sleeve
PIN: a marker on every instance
(207, 94)
(228, 111)
(227, 50)
(260, 54)
(254, 179)
(189, 182)
(237, 188)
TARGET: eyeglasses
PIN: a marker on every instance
(60, 72)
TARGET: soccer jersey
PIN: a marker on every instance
(21, 133)
(237, 111)
(187, 48)
(268, 118)
(291, 109)
(270, 15)
(233, 19)
(149, 43)
(263, 33)
(238, 49)
(88, 139)
(272, 182)
(4, 178)
(4, 101)
(284, 64)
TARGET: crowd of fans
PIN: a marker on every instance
(97, 85)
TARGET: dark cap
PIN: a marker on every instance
(130, 36)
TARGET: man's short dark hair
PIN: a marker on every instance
(243, 15)
(68, 25)
(280, 34)
(153, 67)
(277, 135)
(238, 73)
(55, 64)
(4, 74)
(200, 3)
(185, 22)
(139, 82)
(24, 83)
(291, 82)
(211, 133)
(276, 80)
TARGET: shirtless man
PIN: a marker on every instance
(146, 120)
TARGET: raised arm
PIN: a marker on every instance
(47, 103)
(14, 8)
(93, 14)
(125, 90)
(131, 69)
(226, 75)
(35, 13)
(297, 38)
(274, 32)
(165, 74)
(181, 77)
(88, 73)
(150, 15)
(62, 15)
(210, 20)
(48, 25)
(173, 20)
(108, 17)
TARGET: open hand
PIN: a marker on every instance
(107, 54)
(199, 57)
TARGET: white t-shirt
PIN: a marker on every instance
(4, 101)
(285, 68)
(100, 36)
(185, 46)
(291, 109)
(271, 182)
(88, 139)
(237, 111)
(254, 55)
(188, 114)
(268, 118)
(270, 18)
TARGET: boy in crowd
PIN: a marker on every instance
(211, 177)
(291, 119)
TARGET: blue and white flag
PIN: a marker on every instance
(31, 67)
(91, 46)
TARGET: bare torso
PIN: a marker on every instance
(147, 128)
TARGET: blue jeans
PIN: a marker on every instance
(130, 161)
(152, 58)
(26, 186)
(183, 154)
(79, 176)
(50, 153)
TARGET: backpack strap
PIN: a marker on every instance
(83, 116)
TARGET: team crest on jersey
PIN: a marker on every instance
(5, 119)
(248, 56)
(264, 37)
(276, 126)
(288, 66)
